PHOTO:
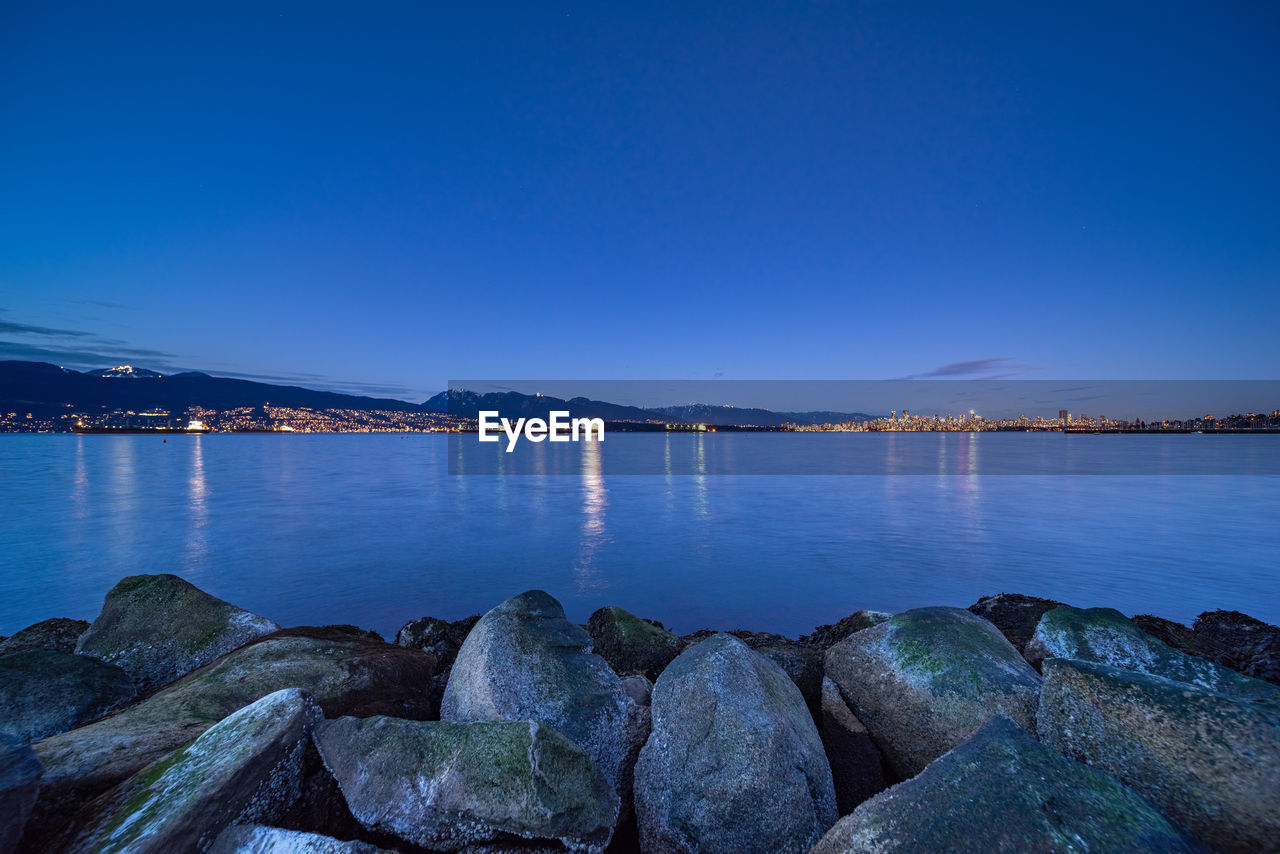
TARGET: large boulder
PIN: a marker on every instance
(1105, 636)
(999, 792)
(1015, 615)
(159, 627)
(857, 768)
(246, 767)
(1249, 645)
(450, 786)
(260, 839)
(343, 673)
(925, 679)
(57, 635)
(525, 661)
(825, 637)
(1209, 761)
(630, 644)
(19, 781)
(734, 763)
(44, 692)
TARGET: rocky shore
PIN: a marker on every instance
(178, 722)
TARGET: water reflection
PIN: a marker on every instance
(593, 535)
(198, 507)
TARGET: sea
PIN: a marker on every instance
(779, 535)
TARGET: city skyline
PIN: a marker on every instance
(375, 204)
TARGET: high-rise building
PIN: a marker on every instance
(1064, 416)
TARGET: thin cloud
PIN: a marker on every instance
(102, 303)
(8, 328)
(994, 368)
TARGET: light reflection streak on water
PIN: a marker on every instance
(593, 535)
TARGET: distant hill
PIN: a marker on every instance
(702, 413)
(39, 386)
(511, 404)
(516, 405)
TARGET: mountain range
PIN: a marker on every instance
(45, 388)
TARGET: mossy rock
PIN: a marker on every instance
(925, 679)
(44, 692)
(1105, 636)
(1207, 760)
(343, 673)
(448, 786)
(56, 635)
(246, 767)
(1014, 614)
(160, 627)
(630, 644)
(999, 792)
(525, 661)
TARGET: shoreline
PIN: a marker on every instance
(120, 711)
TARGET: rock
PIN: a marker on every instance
(824, 637)
(1105, 636)
(440, 637)
(1015, 615)
(857, 769)
(57, 635)
(630, 644)
(925, 679)
(356, 631)
(734, 763)
(525, 661)
(259, 839)
(803, 664)
(1182, 638)
(44, 692)
(999, 792)
(343, 673)
(1251, 646)
(159, 627)
(1208, 761)
(19, 781)
(449, 786)
(246, 767)
(801, 661)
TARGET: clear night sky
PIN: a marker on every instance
(379, 197)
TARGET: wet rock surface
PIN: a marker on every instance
(453, 786)
(999, 791)
(925, 679)
(44, 692)
(746, 772)
(57, 635)
(246, 767)
(1208, 761)
(159, 627)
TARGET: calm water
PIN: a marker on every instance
(372, 529)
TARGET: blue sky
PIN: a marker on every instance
(381, 197)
